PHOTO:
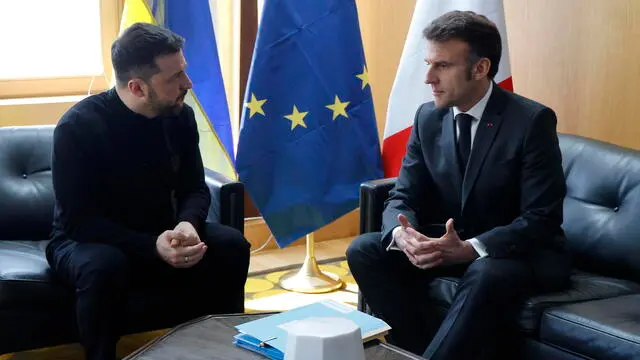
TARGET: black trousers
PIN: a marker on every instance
(104, 280)
(481, 322)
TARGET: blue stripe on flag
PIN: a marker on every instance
(192, 20)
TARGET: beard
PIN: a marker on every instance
(166, 107)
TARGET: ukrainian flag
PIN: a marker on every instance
(192, 20)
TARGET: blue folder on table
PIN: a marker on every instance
(268, 337)
(250, 343)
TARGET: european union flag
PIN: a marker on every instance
(308, 136)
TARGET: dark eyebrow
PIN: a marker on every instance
(437, 63)
(177, 73)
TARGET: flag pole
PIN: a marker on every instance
(310, 279)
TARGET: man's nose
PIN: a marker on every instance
(188, 84)
(430, 77)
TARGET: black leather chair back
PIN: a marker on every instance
(26, 189)
(602, 206)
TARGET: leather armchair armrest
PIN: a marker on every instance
(373, 195)
(227, 200)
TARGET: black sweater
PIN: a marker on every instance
(122, 179)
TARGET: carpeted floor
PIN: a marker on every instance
(262, 294)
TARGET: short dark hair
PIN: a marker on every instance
(480, 33)
(134, 52)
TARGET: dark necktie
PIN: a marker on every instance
(464, 139)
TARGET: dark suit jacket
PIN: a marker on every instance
(511, 196)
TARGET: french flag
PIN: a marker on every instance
(409, 89)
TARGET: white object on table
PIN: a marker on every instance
(323, 338)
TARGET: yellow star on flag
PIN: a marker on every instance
(339, 108)
(297, 118)
(255, 106)
(364, 76)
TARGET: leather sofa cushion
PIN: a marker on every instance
(584, 287)
(25, 276)
(601, 206)
(26, 189)
(603, 329)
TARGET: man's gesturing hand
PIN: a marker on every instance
(453, 249)
(416, 246)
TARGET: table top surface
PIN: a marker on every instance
(211, 338)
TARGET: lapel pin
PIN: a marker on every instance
(489, 124)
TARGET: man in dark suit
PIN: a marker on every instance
(479, 197)
(132, 202)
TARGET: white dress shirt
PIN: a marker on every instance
(476, 112)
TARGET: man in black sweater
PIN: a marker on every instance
(131, 200)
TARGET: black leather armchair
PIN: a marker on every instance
(35, 310)
(599, 316)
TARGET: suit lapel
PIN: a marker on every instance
(485, 136)
(448, 146)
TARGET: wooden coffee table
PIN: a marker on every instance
(210, 337)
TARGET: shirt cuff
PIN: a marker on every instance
(392, 243)
(478, 247)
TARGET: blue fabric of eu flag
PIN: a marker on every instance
(308, 136)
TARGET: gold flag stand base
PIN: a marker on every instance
(309, 279)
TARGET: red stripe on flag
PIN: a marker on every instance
(507, 84)
(393, 149)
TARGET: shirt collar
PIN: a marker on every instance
(478, 109)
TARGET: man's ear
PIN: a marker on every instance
(481, 68)
(137, 87)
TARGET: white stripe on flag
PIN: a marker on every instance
(409, 89)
